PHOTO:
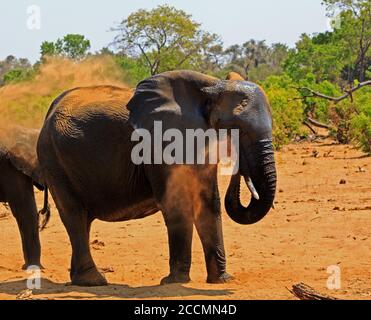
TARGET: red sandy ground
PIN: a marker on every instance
(317, 223)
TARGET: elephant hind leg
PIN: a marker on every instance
(83, 269)
(77, 223)
(23, 206)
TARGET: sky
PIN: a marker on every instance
(236, 21)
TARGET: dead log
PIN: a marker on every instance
(305, 292)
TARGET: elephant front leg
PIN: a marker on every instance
(208, 223)
(180, 231)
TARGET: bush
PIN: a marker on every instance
(18, 75)
(314, 107)
(361, 131)
(360, 122)
(287, 112)
(134, 70)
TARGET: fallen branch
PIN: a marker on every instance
(309, 127)
(347, 93)
(318, 124)
(304, 292)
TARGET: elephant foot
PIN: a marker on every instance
(176, 278)
(26, 266)
(89, 278)
(223, 278)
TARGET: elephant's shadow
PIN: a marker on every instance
(114, 291)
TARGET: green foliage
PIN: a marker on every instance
(317, 57)
(133, 69)
(332, 62)
(361, 131)
(317, 108)
(341, 55)
(360, 122)
(73, 46)
(287, 112)
(21, 66)
(48, 49)
(18, 75)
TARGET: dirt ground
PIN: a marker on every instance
(317, 222)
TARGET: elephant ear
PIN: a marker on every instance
(152, 99)
(24, 159)
(19, 145)
(174, 98)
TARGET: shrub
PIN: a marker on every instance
(360, 122)
(133, 69)
(18, 75)
(287, 112)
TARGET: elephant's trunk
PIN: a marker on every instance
(264, 178)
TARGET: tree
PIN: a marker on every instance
(356, 6)
(256, 60)
(211, 57)
(278, 54)
(355, 34)
(247, 56)
(341, 55)
(73, 46)
(165, 38)
(318, 55)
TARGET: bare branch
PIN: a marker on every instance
(145, 56)
(318, 124)
(309, 127)
(347, 94)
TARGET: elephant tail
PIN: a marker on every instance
(45, 211)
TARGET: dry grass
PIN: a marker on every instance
(26, 103)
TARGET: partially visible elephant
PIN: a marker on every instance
(85, 149)
(19, 173)
(234, 76)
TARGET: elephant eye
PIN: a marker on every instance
(238, 110)
(244, 103)
(241, 107)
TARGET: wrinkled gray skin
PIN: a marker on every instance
(19, 172)
(85, 153)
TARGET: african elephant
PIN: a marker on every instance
(19, 173)
(85, 151)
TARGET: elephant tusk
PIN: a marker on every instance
(251, 187)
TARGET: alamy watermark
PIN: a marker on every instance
(197, 146)
(334, 22)
(334, 280)
(34, 278)
(33, 17)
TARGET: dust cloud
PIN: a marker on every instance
(26, 103)
(186, 188)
